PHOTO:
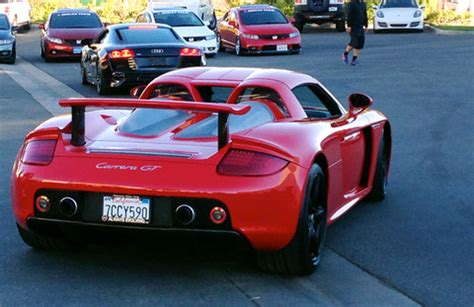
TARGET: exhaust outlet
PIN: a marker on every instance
(68, 206)
(185, 214)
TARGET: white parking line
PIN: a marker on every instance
(41, 86)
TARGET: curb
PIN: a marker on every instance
(439, 31)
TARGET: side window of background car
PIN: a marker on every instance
(171, 91)
(316, 102)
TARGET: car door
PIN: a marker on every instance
(90, 54)
(352, 140)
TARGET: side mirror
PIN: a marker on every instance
(41, 26)
(137, 91)
(358, 103)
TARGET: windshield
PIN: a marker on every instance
(75, 20)
(262, 17)
(398, 3)
(4, 23)
(147, 35)
(178, 19)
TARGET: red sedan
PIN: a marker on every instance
(67, 31)
(258, 29)
(271, 157)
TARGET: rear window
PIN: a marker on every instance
(146, 35)
(74, 20)
(178, 19)
(4, 23)
(262, 17)
(258, 115)
(214, 93)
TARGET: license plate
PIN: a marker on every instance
(126, 209)
(77, 50)
(282, 47)
(332, 9)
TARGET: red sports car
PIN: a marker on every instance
(270, 156)
(67, 31)
(258, 29)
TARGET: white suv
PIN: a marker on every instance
(203, 8)
(187, 24)
(18, 12)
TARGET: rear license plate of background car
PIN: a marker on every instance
(282, 47)
(126, 209)
(332, 9)
(77, 50)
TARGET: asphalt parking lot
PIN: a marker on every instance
(416, 247)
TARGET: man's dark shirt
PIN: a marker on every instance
(357, 15)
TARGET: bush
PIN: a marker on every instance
(113, 11)
(448, 17)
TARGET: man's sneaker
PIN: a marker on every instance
(345, 58)
(355, 62)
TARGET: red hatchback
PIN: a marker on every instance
(258, 29)
(67, 31)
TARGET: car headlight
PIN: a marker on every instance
(6, 41)
(210, 37)
(294, 34)
(55, 40)
(250, 36)
(417, 13)
(380, 14)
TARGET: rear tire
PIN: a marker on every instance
(340, 26)
(303, 254)
(219, 42)
(379, 189)
(103, 88)
(41, 241)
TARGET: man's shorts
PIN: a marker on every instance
(357, 39)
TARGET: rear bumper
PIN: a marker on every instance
(303, 13)
(263, 210)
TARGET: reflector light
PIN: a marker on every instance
(42, 203)
(39, 152)
(122, 54)
(249, 163)
(190, 52)
(218, 215)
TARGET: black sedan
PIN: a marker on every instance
(133, 54)
(7, 41)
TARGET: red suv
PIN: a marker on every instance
(258, 29)
(67, 31)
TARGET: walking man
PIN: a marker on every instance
(356, 26)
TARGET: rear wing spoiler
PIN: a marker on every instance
(78, 107)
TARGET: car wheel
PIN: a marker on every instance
(238, 48)
(340, 26)
(12, 59)
(303, 254)
(379, 189)
(219, 42)
(103, 87)
(41, 241)
(299, 25)
(28, 25)
(84, 80)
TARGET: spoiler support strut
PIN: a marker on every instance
(78, 107)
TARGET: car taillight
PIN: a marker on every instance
(190, 52)
(39, 152)
(122, 54)
(250, 163)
